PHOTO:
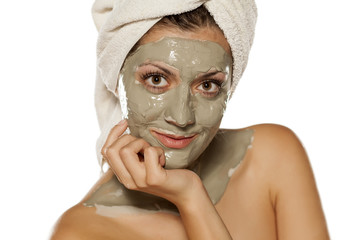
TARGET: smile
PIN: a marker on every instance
(172, 140)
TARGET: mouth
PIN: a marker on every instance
(172, 140)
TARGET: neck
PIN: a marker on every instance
(215, 167)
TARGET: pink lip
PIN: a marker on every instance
(173, 141)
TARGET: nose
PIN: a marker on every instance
(180, 111)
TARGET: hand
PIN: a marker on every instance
(140, 166)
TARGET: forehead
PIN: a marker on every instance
(213, 34)
(183, 54)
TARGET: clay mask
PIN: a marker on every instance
(176, 93)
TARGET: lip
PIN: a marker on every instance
(172, 140)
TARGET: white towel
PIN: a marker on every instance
(121, 23)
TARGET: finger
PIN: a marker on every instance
(122, 174)
(161, 155)
(114, 134)
(115, 147)
(130, 157)
(154, 162)
(116, 162)
(120, 142)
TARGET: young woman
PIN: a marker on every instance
(173, 174)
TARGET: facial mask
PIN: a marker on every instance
(176, 93)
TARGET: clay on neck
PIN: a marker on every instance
(216, 165)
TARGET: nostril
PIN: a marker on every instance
(178, 123)
(182, 112)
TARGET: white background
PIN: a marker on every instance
(303, 73)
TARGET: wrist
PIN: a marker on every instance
(194, 198)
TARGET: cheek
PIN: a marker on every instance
(143, 107)
(210, 112)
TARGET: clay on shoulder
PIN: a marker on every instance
(82, 222)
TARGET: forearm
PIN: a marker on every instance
(201, 219)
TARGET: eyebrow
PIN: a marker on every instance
(206, 75)
(161, 68)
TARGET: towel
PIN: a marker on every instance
(121, 23)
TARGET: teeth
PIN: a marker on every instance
(175, 137)
(163, 131)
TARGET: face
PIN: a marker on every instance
(176, 86)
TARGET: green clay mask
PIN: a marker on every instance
(176, 93)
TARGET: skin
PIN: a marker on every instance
(271, 195)
(177, 102)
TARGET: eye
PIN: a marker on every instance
(156, 81)
(209, 88)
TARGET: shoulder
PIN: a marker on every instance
(275, 154)
(278, 163)
(277, 146)
(80, 222)
(74, 223)
(66, 226)
(278, 141)
(268, 142)
(276, 174)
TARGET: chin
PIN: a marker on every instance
(177, 161)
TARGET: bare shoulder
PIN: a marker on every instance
(276, 143)
(280, 155)
(80, 222)
(251, 198)
(277, 155)
(275, 135)
(278, 164)
(272, 148)
(76, 222)
(68, 227)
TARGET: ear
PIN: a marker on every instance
(101, 11)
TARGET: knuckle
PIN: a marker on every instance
(142, 142)
(150, 150)
(103, 151)
(110, 152)
(125, 152)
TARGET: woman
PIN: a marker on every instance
(175, 175)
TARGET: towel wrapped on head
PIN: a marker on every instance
(121, 23)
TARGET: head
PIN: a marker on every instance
(177, 81)
(173, 77)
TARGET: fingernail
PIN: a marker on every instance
(122, 122)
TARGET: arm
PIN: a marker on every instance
(182, 187)
(200, 217)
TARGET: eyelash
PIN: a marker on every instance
(146, 75)
(218, 83)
